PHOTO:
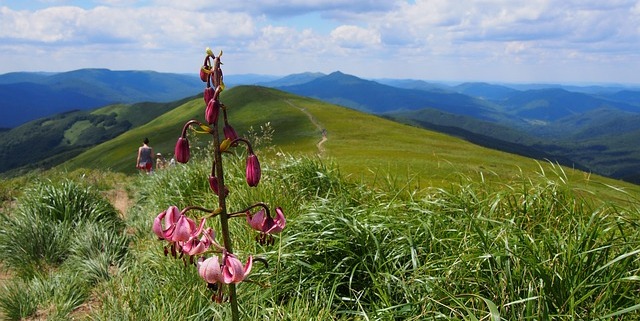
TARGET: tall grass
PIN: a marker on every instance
(530, 249)
(60, 239)
(38, 233)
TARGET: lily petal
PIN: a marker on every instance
(233, 271)
(157, 225)
(256, 221)
(173, 214)
(184, 229)
(209, 269)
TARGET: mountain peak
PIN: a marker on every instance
(338, 76)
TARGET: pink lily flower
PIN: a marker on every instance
(233, 271)
(265, 223)
(177, 226)
(186, 229)
(210, 270)
(257, 220)
(170, 216)
(276, 225)
(197, 247)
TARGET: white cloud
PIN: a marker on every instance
(355, 37)
(356, 33)
(282, 8)
(275, 40)
(108, 25)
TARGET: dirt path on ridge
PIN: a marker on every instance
(119, 198)
(316, 123)
(121, 201)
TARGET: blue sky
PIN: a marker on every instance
(561, 41)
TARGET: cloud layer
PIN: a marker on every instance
(493, 40)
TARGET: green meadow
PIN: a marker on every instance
(384, 222)
(365, 147)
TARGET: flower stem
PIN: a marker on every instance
(224, 217)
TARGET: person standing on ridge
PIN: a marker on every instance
(160, 162)
(145, 157)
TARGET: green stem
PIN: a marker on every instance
(224, 216)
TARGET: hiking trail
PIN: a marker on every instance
(316, 123)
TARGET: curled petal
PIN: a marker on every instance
(233, 271)
(205, 72)
(196, 247)
(210, 235)
(210, 269)
(157, 225)
(200, 227)
(257, 220)
(185, 228)
(189, 246)
(170, 217)
(173, 214)
(277, 224)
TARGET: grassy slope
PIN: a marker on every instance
(363, 145)
(138, 114)
(246, 105)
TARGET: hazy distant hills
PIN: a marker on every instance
(593, 128)
(27, 96)
(371, 96)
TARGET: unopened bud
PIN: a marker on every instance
(212, 111)
(253, 170)
(182, 150)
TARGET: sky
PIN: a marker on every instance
(558, 41)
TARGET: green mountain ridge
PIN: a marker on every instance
(48, 141)
(365, 146)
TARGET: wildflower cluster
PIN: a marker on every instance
(189, 239)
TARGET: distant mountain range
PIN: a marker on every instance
(592, 128)
(26, 96)
(595, 128)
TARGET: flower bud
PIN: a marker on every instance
(253, 170)
(229, 132)
(182, 150)
(212, 111)
(208, 94)
(205, 72)
(213, 184)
